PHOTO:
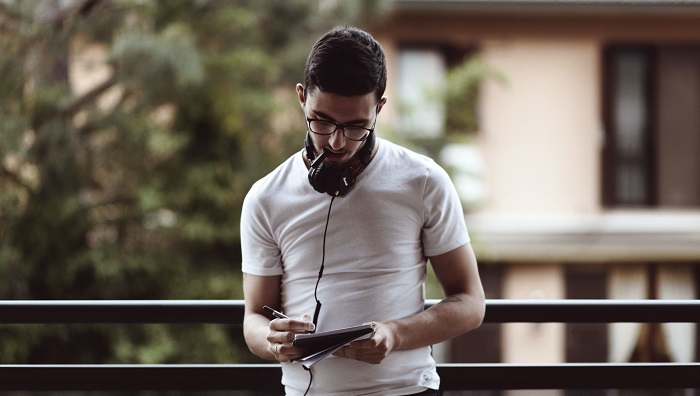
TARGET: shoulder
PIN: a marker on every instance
(274, 183)
(400, 159)
(397, 154)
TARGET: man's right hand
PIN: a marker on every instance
(281, 335)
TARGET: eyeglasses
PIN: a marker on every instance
(352, 132)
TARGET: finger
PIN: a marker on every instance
(279, 324)
(295, 325)
(305, 318)
(277, 348)
(342, 352)
(279, 352)
(366, 356)
(303, 324)
(273, 349)
(364, 344)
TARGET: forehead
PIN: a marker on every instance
(339, 107)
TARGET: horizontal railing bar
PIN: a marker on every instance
(266, 377)
(570, 376)
(122, 311)
(593, 311)
(253, 377)
(231, 311)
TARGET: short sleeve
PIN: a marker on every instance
(444, 228)
(260, 253)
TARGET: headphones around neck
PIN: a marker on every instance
(333, 180)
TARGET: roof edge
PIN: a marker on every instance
(557, 7)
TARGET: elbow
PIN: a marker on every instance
(480, 312)
(476, 312)
(471, 313)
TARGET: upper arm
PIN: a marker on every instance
(457, 272)
(259, 291)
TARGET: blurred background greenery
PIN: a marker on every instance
(129, 186)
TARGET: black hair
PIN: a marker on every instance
(346, 61)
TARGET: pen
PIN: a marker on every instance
(278, 314)
(275, 313)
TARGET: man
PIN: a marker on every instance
(357, 252)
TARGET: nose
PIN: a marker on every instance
(337, 139)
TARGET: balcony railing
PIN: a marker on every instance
(266, 377)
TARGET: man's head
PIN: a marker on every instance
(343, 89)
(346, 61)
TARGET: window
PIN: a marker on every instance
(652, 94)
(423, 71)
(421, 74)
(629, 143)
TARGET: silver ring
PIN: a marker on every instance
(277, 348)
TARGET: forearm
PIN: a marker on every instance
(454, 315)
(460, 311)
(255, 331)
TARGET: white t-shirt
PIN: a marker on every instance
(402, 209)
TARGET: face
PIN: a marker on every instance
(350, 110)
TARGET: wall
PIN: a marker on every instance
(541, 131)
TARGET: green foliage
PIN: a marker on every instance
(130, 185)
(461, 92)
(459, 96)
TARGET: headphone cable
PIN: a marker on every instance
(311, 378)
(320, 274)
(323, 262)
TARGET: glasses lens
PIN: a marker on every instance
(355, 133)
(322, 127)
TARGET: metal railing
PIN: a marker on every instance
(266, 377)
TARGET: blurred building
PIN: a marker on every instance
(588, 159)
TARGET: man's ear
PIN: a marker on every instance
(381, 103)
(300, 95)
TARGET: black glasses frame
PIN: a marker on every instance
(341, 127)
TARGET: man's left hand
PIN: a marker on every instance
(372, 350)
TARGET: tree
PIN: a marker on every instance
(129, 185)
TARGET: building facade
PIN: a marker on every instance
(587, 154)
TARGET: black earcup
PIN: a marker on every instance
(335, 180)
(330, 179)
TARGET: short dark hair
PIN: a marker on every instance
(346, 61)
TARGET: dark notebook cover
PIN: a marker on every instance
(316, 342)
